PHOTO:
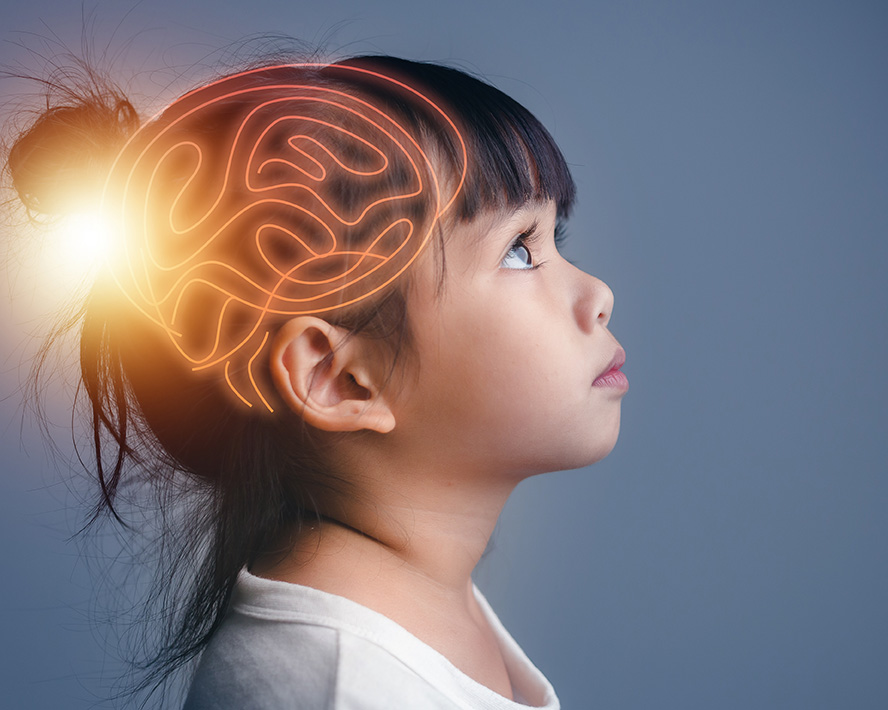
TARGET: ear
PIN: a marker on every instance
(331, 381)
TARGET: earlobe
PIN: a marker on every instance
(328, 378)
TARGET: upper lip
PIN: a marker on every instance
(616, 362)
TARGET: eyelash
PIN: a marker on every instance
(526, 239)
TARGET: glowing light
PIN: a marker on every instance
(80, 242)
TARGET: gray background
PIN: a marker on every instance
(732, 163)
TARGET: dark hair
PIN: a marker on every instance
(254, 474)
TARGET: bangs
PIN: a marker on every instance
(512, 158)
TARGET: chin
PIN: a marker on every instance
(592, 453)
(569, 449)
(598, 446)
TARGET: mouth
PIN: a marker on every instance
(612, 377)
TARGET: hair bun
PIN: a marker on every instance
(60, 163)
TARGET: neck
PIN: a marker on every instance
(404, 543)
(425, 539)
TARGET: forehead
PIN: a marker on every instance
(489, 229)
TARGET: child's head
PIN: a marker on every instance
(282, 224)
(268, 194)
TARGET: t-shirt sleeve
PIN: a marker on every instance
(256, 665)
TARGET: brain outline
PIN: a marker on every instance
(151, 280)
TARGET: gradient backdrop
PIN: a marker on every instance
(732, 161)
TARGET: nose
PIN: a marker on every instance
(594, 301)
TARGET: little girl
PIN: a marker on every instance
(336, 330)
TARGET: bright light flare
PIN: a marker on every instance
(65, 255)
(72, 250)
(84, 240)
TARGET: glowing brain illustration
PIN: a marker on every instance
(263, 196)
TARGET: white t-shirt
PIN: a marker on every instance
(290, 646)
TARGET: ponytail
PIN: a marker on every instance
(217, 477)
(229, 483)
(60, 163)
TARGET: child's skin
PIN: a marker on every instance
(503, 390)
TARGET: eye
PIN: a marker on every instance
(519, 256)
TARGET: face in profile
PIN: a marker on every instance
(510, 357)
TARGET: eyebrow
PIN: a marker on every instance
(523, 221)
(528, 232)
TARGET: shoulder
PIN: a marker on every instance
(255, 663)
(294, 647)
(288, 646)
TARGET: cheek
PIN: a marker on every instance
(514, 395)
(507, 373)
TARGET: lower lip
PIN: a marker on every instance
(612, 378)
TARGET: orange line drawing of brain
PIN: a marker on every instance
(271, 194)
